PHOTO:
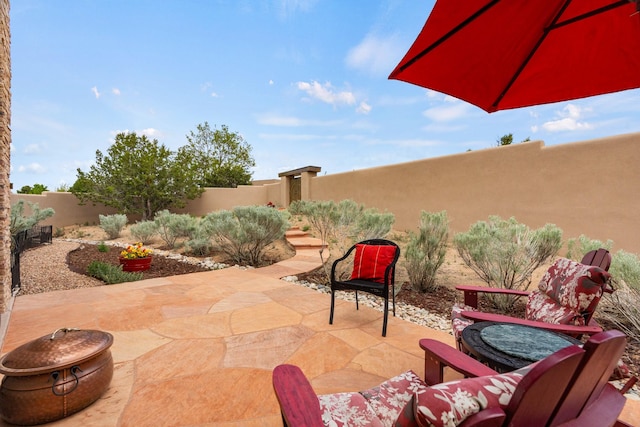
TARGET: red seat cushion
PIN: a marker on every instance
(371, 261)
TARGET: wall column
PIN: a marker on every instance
(5, 161)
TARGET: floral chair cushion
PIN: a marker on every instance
(379, 406)
(389, 398)
(567, 290)
(347, 409)
(458, 322)
(449, 404)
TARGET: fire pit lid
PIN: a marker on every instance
(64, 348)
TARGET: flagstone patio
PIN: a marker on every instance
(198, 349)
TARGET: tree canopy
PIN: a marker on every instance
(507, 139)
(139, 176)
(221, 158)
(36, 189)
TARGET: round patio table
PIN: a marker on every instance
(505, 347)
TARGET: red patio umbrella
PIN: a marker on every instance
(502, 54)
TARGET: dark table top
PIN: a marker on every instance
(507, 346)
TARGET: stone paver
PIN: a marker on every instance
(198, 349)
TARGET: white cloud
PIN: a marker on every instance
(375, 55)
(150, 132)
(270, 82)
(446, 113)
(363, 108)
(569, 120)
(32, 168)
(115, 91)
(326, 93)
(95, 92)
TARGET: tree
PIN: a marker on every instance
(222, 158)
(508, 140)
(138, 176)
(36, 189)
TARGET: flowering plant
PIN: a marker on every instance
(135, 251)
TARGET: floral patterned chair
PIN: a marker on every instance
(564, 302)
(566, 387)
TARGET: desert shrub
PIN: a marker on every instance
(297, 207)
(245, 232)
(373, 225)
(504, 254)
(622, 308)
(20, 222)
(199, 246)
(113, 224)
(110, 273)
(625, 266)
(344, 223)
(426, 250)
(102, 247)
(339, 225)
(199, 242)
(577, 248)
(144, 231)
(173, 226)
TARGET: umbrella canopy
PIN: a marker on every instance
(516, 53)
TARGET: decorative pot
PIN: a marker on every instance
(138, 264)
(55, 376)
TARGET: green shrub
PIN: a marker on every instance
(340, 225)
(102, 247)
(19, 222)
(372, 224)
(577, 248)
(625, 267)
(173, 226)
(504, 253)
(110, 273)
(622, 308)
(113, 224)
(245, 232)
(144, 231)
(59, 232)
(426, 250)
(199, 242)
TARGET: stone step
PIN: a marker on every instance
(295, 232)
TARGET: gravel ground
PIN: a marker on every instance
(40, 270)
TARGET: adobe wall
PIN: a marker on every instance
(69, 212)
(586, 188)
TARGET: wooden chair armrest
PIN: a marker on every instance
(491, 417)
(299, 404)
(603, 412)
(439, 355)
(471, 293)
(477, 316)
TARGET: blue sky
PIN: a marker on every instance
(303, 81)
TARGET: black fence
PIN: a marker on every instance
(26, 239)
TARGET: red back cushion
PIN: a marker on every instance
(371, 261)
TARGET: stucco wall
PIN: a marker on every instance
(586, 188)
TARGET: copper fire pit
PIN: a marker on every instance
(55, 376)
